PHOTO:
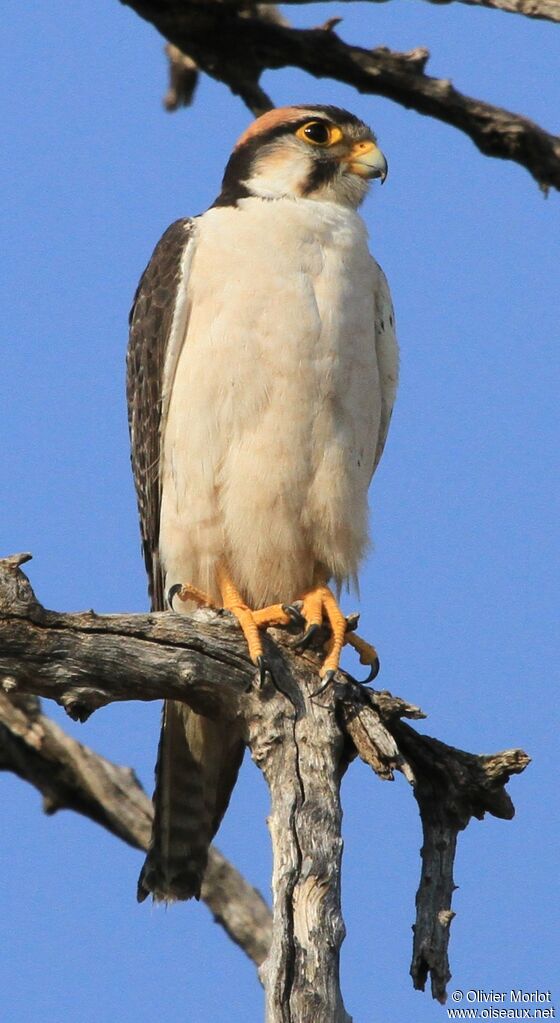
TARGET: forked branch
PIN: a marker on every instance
(70, 776)
(236, 42)
(302, 743)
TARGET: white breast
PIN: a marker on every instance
(274, 410)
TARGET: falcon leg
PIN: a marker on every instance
(320, 603)
(250, 621)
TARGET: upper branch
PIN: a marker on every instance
(236, 46)
(548, 10)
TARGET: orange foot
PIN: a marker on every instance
(320, 603)
(251, 621)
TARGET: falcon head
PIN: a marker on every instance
(318, 152)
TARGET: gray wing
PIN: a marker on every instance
(151, 322)
(387, 351)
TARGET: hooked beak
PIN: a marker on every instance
(366, 159)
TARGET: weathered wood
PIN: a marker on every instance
(547, 10)
(235, 43)
(70, 776)
(302, 742)
(297, 742)
(88, 660)
(450, 786)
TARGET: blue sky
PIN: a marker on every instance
(459, 593)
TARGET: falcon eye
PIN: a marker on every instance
(319, 133)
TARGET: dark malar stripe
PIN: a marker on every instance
(238, 168)
(322, 174)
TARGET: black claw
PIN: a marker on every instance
(373, 673)
(172, 593)
(302, 642)
(295, 615)
(327, 679)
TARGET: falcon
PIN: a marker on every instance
(261, 376)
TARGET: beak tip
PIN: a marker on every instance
(367, 160)
(384, 171)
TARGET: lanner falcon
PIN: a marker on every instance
(262, 370)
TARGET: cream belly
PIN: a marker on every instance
(274, 405)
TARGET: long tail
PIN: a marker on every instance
(197, 766)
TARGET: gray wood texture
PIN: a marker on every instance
(303, 741)
(234, 44)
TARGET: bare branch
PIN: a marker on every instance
(548, 10)
(303, 745)
(451, 787)
(85, 660)
(545, 9)
(296, 741)
(235, 47)
(183, 79)
(237, 906)
(71, 776)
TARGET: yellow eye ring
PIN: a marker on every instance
(319, 133)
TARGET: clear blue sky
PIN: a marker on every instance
(459, 592)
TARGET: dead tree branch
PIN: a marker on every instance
(303, 744)
(299, 746)
(236, 46)
(548, 10)
(70, 776)
(450, 787)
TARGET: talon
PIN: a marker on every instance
(360, 681)
(374, 672)
(172, 593)
(368, 655)
(187, 592)
(302, 642)
(320, 606)
(295, 615)
(250, 620)
(326, 681)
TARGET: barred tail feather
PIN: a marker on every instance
(197, 766)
